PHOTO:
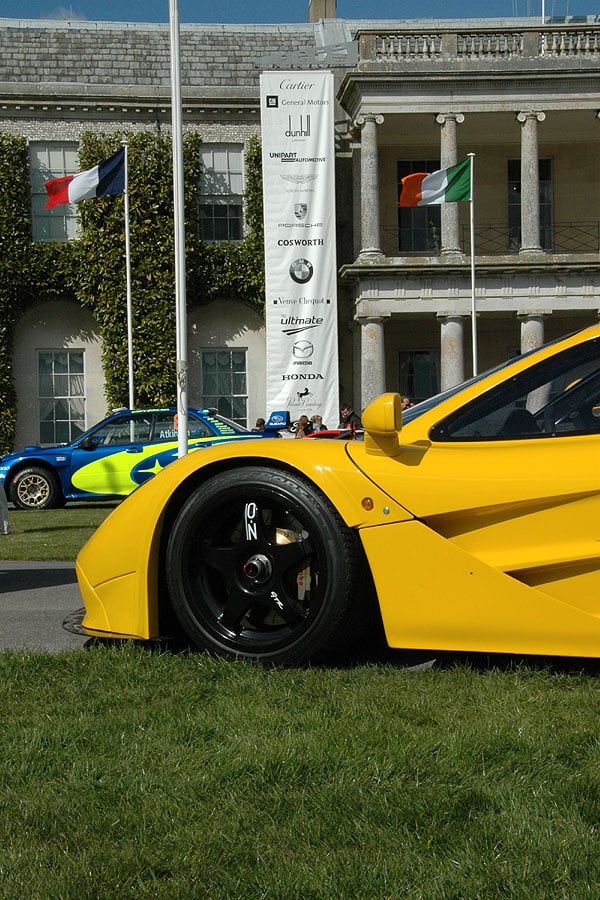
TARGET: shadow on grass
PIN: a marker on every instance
(70, 505)
(505, 662)
(57, 526)
(417, 661)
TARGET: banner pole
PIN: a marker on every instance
(179, 232)
(128, 277)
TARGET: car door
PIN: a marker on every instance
(163, 448)
(103, 462)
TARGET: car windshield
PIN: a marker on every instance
(558, 396)
(413, 412)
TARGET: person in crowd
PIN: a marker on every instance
(317, 423)
(260, 425)
(5, 527)
(406, 402)
(304, 427)
(349, 419)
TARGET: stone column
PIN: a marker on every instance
(532, 337)
(369, 186)
(532, 330)
(356, 193)
(452, 356)
(372, 380)
(530, 182)
(448, 157)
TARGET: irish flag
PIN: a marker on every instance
(108, 177)
(451, 185)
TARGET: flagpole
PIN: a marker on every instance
(473, 302)
(179, 231)
(128, 278)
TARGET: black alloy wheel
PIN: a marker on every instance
(261, 566)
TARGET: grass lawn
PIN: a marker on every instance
(51, 534)
(133, 772)
(129, 773)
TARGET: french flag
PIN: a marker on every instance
(107, 178)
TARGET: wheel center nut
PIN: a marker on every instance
(258, 568)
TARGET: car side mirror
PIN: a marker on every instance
(88, 443)
(382, 421)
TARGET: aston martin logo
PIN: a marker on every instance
(299, 179)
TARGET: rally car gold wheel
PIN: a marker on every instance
(36, 488)
(260, 566)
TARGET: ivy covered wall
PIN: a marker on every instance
(92, 269)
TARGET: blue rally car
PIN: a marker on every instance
(116, 455)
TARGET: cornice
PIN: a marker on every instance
(44, 100)
(427, 267)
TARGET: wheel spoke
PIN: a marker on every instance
(291, 556)
(221, 559)
(236, 608)
(286, 606)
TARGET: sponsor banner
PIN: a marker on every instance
(298, 154)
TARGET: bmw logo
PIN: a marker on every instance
(301, 271)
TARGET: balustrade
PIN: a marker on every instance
(410, 45)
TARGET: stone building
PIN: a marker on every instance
(524, 100)
(412, 96)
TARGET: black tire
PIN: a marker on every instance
(36, 488)
(260, 566)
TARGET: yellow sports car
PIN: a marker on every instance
(469, 522)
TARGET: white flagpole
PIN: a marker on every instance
(179, 230)
(128, 278)
(473, 304)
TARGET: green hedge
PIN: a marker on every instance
(92, 269)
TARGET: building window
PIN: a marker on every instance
(61, 395)
(514, 204)
(418, 373)
(224, 383)
(49, 161)
(221, 193)
(419, 228)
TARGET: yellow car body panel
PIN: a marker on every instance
(484, 545)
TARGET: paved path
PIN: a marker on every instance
(35, 597)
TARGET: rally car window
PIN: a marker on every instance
(126, 430)
(558, 397)
(165, 427)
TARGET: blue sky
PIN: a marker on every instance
(291, 10)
